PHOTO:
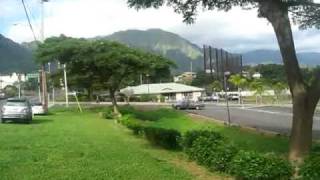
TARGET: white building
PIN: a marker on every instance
(171, 91)
(185, 77)
(6, 80)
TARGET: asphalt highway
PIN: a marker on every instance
(270, 118)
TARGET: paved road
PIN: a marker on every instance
(271, 118)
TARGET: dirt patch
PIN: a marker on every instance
(200, 173)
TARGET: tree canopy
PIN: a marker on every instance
(305, 13)
(101, 64)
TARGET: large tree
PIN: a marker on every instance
(305, 13)
(103, 64)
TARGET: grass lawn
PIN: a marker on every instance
(72, 145)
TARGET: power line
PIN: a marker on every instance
(33, 19)
(27, 15)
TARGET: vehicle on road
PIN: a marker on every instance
(188, 104)
(37, 109)
(213, 97)
(16, 109)
(233, 97)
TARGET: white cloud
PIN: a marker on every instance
(237, 30)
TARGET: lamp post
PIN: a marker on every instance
(148, 83)
(227, 73)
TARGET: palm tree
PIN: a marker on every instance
(278, 89)
(238, 81)
(257, 85)
(216, 86)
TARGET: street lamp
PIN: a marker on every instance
(227, 73)
(148, 83)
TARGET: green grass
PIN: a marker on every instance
(71, 145)
(245, 139)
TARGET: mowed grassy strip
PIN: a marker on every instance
(72, 145)
(245, 139)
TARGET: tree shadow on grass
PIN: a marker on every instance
(36, 121)
(41, 121)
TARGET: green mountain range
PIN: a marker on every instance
(170, 45)
(15, 57)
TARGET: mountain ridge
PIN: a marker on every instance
(16, 57)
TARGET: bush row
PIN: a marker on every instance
(217, 153)
(166, 138)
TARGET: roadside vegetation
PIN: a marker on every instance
(242, 153)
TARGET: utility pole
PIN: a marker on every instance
(43, 72)
(19, 85)
(225, 74)
(66, 84)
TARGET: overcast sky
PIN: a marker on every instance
(237, 30)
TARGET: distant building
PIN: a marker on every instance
(185, 77)
(256, 75)
(11, 79)
(171, 91)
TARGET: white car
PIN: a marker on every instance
(215, 97)
(233, 97)
(37, 109)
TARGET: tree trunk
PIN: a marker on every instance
(90, 95)
(301, 133)
(114, 104)
(304, 103)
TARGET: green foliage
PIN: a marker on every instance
(202, 79)
(148, 98)
(258, 85)
(310, 169)
(166, 138)
(253, 165)
(190, 136)
(238, 81)
(216, 86)
(10, 91)
(133, 124)
(304, 13)
(151, 115)
(209, 148)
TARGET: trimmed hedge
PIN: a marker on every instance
(191, 136)
(166, 138)
(310, 170)
(133, 124)
(210, 149)
(253, 165)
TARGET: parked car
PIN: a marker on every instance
(16, 109)
(205, 98)
(215, 97)
(37, 109)
(188, 104)
(233, 97)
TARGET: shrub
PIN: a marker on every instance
(167, 138)
(108, 114)
(310, 170)
(315, 148)
(253, 165)
(209, 148)
(133, 124)
(191, 136)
